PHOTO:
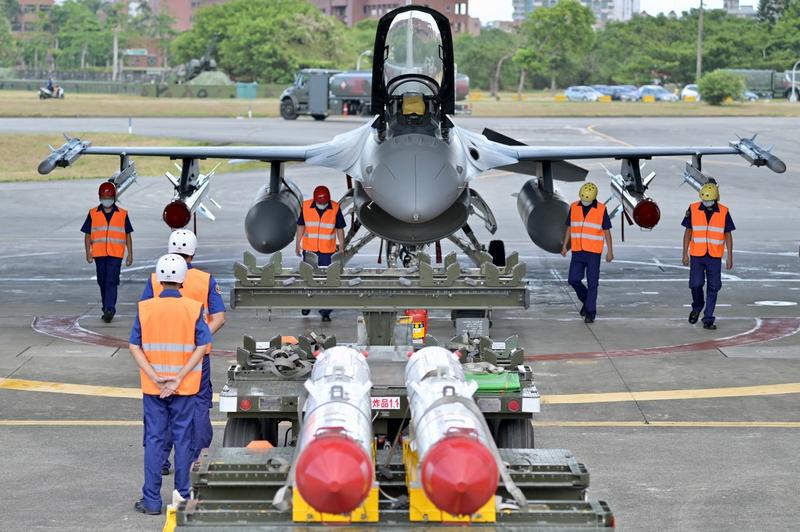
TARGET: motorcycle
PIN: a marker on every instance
(57, 92)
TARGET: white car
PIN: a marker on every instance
(690, 90)
(582, 93)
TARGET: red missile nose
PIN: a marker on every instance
(334, 474)
(176, 214)
(459, 475)
(646, 214)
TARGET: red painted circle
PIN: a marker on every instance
(646, 214)
(176, 214)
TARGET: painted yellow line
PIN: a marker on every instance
(74, 389)
(671, 395)
(685, 424)
(579, 398)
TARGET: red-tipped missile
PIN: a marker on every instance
(458, 472)
(334, 474)
(176, 214)
(334, 471)
(638, 207)
(646, 214)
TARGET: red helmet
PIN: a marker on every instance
(107, 190)
(322, 195)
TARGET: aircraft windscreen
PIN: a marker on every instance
(413, 46)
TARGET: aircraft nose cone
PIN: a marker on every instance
(415, 180)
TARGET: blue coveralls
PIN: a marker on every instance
(107, 268)
(203, 432)
(324, 259)
(170, 417)
(706, 272)
(588, 264)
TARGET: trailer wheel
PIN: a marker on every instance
(269, 431)
(288, 110)
(514, 434)
(239, 431)
(319, 117)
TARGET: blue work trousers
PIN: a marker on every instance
(108, 278)
(202, 433)
(173, 416)
(585, 263)
(323, 259)
(705, 272)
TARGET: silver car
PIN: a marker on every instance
(659, 93)
(582, 93)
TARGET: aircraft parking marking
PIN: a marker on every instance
(119, 392)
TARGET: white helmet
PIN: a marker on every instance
(171, 268)
(183, 242)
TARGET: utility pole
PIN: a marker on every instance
(699, 69)
(115, 56)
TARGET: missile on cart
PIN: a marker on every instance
(458, 471)
(334, 468)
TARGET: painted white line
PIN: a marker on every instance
(21, 255)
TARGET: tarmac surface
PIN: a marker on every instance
(681, 428)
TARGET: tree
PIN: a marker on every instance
(719, 85)
(556, 40)
(770, 11)
(486, 58)
(8, 47)
(82, 41)
(358, 39)
(265, 40)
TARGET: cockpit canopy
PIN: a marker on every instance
(413, 55)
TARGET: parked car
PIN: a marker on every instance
(690, 90)
(581, 93)
(605, 90)
(625, 93)
(749, 96)
(659, 93)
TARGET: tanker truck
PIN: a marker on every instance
(321, 93)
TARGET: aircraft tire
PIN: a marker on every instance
(514, 434)
(497, 249)
(239, 431)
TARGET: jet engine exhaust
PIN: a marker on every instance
(544, 215)
(271, 221)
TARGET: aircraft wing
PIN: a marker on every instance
(339, 153)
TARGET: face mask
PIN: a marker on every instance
(106, 203)
(708, 203)
(585, 203)
(321, 206)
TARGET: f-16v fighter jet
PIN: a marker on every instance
(410, 166)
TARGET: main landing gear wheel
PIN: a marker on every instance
(514, 434)
(288, 110)
(240, 431)
(497, 249)
(319, 117)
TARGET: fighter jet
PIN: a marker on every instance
(410, 166)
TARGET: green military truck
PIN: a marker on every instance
(768, 83)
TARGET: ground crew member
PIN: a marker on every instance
(588, 225)
(319, 226)
(107, 232)
(202, 287)
(168, 340)
(708, 226)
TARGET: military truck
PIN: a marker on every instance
(768, 83)
(322, 93)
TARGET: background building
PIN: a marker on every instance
(28, 15)
(604, 10)
(352, 11)
(733, 7)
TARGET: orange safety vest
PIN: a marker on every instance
(195, 286)
(320, 235)
(586, 234)
(708, 236)
(168, 332)
(108, 238)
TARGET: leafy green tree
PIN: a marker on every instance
(487, 58)
(556, 40)
(358, 39)
(8, 46)
(770, 11)
(265, 40)
(784, 38)
(82, 41)
(719, 85)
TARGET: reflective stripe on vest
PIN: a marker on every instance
(168, 331)
(108, 238)
(320, 232)
(708, 236)
(586, 233)
(195, 286)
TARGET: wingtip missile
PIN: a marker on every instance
(758, 156)
(63, 156)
